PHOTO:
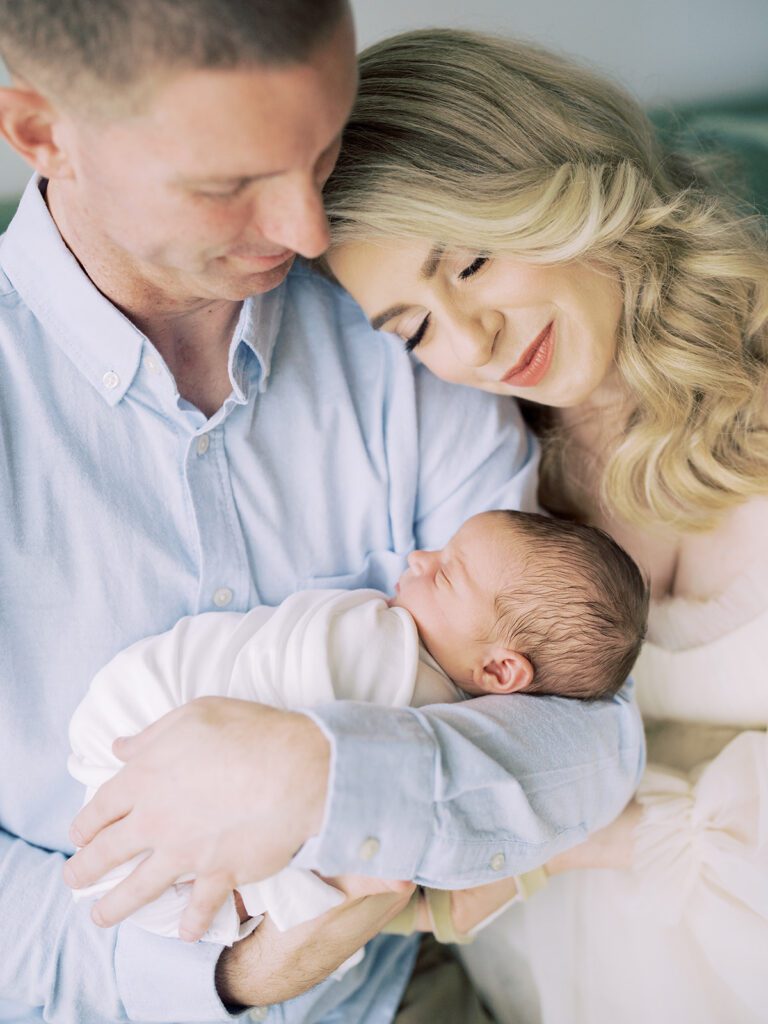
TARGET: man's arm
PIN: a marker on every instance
(447, 796)
(485, 789)
(52, 958)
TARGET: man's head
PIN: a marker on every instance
(189, 138)
(518, 601)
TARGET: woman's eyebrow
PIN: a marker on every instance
(428, 269)
(432, 262)
(378, 321)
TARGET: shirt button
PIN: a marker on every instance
(369, 849)
(259, 1013)
(498, 861)
(203, 444)
(222, 597)
(110, 380)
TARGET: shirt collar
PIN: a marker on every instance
(103, 343)
(259, 326)
(100, 340)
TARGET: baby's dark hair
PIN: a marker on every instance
(578, 611)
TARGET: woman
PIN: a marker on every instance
(514, 220)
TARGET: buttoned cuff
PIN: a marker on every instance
(379, 810)
(167, 980)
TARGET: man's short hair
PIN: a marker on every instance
(62, 45)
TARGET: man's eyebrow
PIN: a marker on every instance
(428, 270)
(232, 179)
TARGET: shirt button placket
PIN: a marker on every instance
(224, 581)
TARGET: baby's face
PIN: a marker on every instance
(451, 593)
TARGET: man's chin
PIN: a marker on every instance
(237, 284)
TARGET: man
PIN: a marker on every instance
(186, 426)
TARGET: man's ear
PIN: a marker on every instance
(504, 671)
(27, 123)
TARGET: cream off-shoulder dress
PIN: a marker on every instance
(682, 938)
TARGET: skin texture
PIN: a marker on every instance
(451, 596)
(484, 313)
(218, 177)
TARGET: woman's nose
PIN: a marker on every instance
(473, 337)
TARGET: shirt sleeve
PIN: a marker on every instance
(457, 795)
(475, 454)
(54, 958)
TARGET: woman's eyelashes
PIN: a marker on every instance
(413, 341)
(473, 267)
(467, 272)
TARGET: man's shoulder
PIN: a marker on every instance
(321, 317)
(310, 286)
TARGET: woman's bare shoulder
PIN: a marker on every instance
(710, 563)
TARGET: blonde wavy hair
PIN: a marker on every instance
(479, 143)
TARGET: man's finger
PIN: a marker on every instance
(110, 804)
(208, 894)
(126, 747)
(113, 846)
(148, 881)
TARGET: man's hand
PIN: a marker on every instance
(223, 789)
(272, 966)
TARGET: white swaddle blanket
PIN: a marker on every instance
(317, 646)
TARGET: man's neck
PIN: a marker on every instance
(192, 334)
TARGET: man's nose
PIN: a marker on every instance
(295, 219)
(473, 336)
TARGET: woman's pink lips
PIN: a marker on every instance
(532, 366)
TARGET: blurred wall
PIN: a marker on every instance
(663, 50)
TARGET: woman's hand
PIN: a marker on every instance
(611, 847)
(355, 887)
(470, 907)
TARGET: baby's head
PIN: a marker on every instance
(518, 601)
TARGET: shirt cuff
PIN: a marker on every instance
(379, 810)
(166, 980)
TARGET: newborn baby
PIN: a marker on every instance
(514, 602)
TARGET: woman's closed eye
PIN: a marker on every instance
(413, 341)
(469, 271)
(472, 269)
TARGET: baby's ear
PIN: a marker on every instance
(505, 671)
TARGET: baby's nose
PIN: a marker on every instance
(418, 562)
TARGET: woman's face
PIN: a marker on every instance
(547, 334)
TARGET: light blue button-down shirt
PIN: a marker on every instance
(124, 508)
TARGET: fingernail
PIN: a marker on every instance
(97, 917)
(76, 836)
